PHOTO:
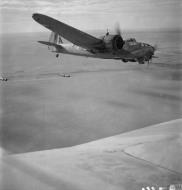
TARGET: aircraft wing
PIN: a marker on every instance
(147, 157)
(70, 33)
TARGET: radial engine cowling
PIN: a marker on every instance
(113, 42)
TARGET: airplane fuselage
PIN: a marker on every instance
(131, 53)
(76, 50)
(109, 46)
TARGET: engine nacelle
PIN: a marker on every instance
(113, 42)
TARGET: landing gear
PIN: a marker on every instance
(57, 55)
(141, 61)
(124, 60)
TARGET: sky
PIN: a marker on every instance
(16, 15)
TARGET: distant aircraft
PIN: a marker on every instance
(3, 79)
(109, 46)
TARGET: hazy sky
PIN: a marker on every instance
(92, 14)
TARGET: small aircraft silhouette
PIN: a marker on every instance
(109, 46)
(3, 78)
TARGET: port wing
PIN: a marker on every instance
(70, 33)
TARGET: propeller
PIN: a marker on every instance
(155, 47)
(117, 29)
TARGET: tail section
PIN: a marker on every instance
(54, 39)
(54, 43)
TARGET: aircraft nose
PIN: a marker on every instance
(152, 49)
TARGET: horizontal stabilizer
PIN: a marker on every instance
(50, 44)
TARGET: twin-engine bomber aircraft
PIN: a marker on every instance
(83, 44)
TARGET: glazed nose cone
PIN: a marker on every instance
(151, 50)
(154, 48)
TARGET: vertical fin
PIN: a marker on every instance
(54, 38)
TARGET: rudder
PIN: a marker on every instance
(54, 38)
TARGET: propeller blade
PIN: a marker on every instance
(117, 29)
(155, 47)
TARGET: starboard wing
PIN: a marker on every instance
(70, 33)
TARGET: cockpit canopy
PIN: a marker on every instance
(131, 40)
(145, 45)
